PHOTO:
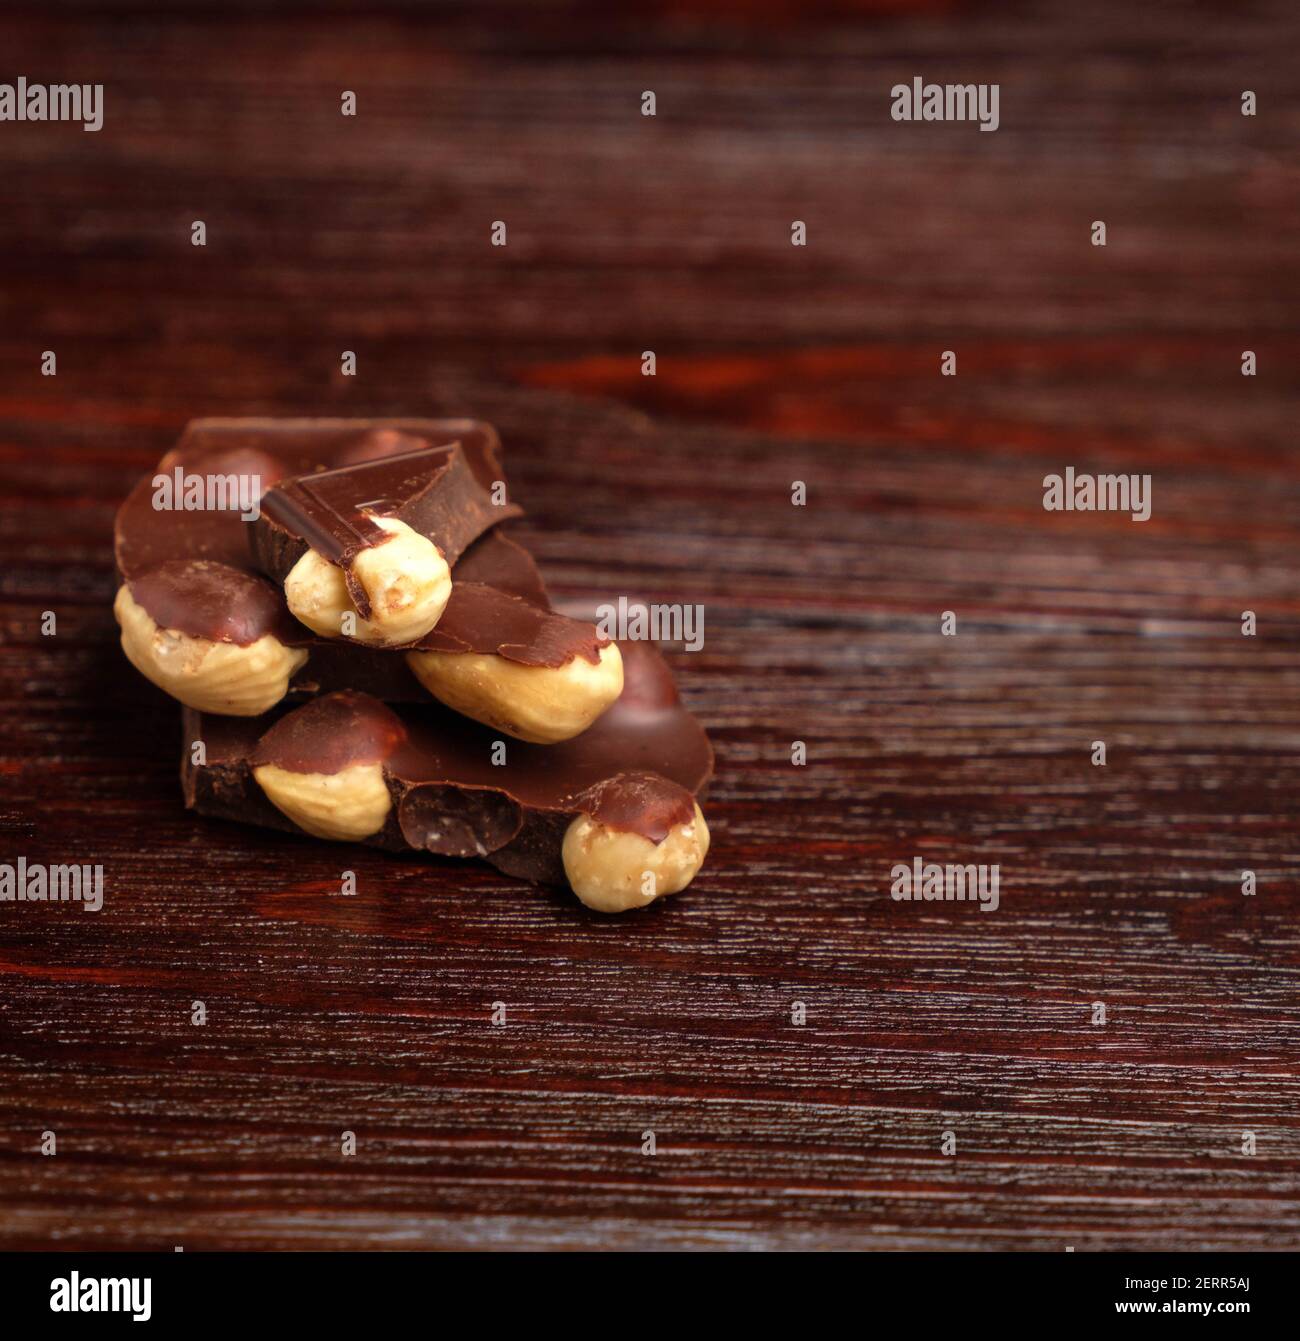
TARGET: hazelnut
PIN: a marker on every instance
(612, 870)
(348, 805)
(540, 704)
(405, 578)
(210, 676)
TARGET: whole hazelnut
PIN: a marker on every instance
(405, 578)
(613, 870)
(540, 704)
(203, 673)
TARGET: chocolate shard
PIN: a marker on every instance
(643, 803)
(211, 600)
(484, 619)
(340, 730)
(439, 492)
(635, 769)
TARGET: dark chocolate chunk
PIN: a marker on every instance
(643, 803)
(211, 600)
(484, 619)
(331, 734)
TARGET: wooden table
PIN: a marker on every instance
(1120, 884)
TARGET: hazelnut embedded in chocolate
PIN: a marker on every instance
(211, 635)
(322, 765)
(638, 838)
(363, 549)
(394, 593)
(515, 666)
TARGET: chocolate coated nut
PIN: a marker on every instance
(324, 770)
(612, 869)
(540, 704)
(203, 673)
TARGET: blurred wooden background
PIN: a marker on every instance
(625, 233)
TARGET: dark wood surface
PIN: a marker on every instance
(1119, 884)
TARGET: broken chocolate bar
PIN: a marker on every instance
(602, 791)
(452, 787)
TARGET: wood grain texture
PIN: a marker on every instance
(1119, 884)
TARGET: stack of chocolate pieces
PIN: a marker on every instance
(368, 657)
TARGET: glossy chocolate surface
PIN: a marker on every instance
(643, 803)
(205, 599)
(332, 733)
(482, 618)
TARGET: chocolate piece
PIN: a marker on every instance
(484, 619)
(333, 512)
(634, 765)
(340, 730)
(642, 803)
(215, 601)
(439, 492)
